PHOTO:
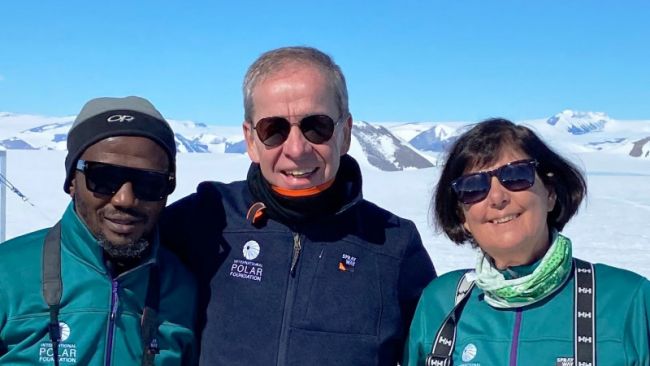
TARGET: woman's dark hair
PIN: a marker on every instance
(481, 146)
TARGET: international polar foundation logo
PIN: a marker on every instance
(67, 352)
(469, 352)
(251, 250)
(65, 331)
(247, 268)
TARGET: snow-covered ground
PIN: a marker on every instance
(612, 227)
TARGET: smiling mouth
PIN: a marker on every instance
(504, 219)
(299, 173)
(122, 226)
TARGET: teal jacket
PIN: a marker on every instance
(540, 334)
(85, 316)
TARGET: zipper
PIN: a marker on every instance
(515, 338)
(283, 344)
(111, 321)
(296, 252)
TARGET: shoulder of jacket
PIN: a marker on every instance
(371, 215)
(399, 236)
(437, 299)
(21, 246)
(607, 275)
(20, 263)
(179, 289)
(214, 187)
(213, 195)
(172, 269)
(445, 285)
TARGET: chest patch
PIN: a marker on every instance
(67, 351)
(247, 268)
(347, 263)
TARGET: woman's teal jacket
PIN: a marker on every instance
(539, 334)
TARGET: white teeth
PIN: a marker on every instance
(504, 219)
(299, 172)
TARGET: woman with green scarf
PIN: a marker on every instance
(527, 301)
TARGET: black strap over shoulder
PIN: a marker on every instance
(149, 321)
(584, 339)
(52, 286)
(443, 344)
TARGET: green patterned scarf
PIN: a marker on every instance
(553, 269)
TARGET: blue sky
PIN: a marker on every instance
(403, 60)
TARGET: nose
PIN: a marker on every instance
(498, 196)
(124, 197)
(296, 144)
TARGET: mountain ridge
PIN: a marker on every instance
(389, 147)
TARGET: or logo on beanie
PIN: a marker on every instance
(120, 118)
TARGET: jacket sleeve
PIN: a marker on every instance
(191, 354)
(414, 348)
(192, 228)
(416, 272)
(637, 337)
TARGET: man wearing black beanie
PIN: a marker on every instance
(96, 288)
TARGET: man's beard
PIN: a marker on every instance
(131, 250)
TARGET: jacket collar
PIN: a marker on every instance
(343, 193)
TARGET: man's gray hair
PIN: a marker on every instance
(275, 60)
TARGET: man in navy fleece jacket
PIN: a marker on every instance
(295, 267)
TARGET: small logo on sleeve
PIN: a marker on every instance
(564, 361)
(347, 263)
(469, 352)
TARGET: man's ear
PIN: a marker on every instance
(249, 136)
(73, 186)
(347, 136)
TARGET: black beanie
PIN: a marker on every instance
(107, 117)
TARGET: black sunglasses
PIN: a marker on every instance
(274, 131)
(107, 179)
(514, 176)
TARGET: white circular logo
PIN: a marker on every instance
(251, 250)
(65, 331)
(469, 352)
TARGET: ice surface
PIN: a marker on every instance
(613, 226)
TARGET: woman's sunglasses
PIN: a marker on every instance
(107, 179)
(274, 131)
(515, 176)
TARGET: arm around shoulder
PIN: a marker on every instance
(416, 272)
(415, 344)
(416, 269)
